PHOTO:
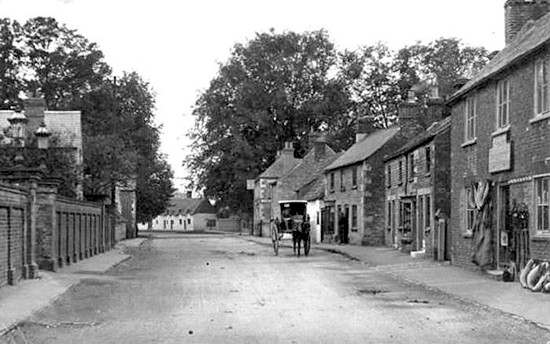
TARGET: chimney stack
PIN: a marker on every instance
(287, 154)
(34, 108)
(410, 113)
(436, 109)
(518, 12)
(365, 127)
(320, 147)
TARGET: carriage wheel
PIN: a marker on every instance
(307, 244)
(275, 239)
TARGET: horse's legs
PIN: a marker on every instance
(299, 243)
(294, 242)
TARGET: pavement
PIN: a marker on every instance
(28, 296)
(19, 302)
(468, 285)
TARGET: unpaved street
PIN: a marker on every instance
(200, 288)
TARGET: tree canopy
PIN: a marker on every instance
(280, 87)
(120, 139)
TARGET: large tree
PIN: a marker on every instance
(11, 62)
(275, 88)
(121, 140)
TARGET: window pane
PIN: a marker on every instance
(545, 218)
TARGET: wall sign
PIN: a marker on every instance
(500, 154)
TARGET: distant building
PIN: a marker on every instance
(185, 214)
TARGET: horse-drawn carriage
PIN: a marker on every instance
(294, 224)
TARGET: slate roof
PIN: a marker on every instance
(313, 190)
(190, 205)
(277, 169)
(531, 37)
(305, 172)
(425, 136)
(363, 149)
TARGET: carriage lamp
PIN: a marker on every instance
(43, 136)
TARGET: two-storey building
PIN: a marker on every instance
(500, 148)
(264, 189)
(354, 183)
(418, 187)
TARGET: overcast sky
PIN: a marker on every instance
(176, 45)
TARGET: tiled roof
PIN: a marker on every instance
(190, 205)
(532, 36)
(303, 173)
(364, 148)
(426, 135)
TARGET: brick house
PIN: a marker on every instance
(264, 188)
(354, 183)
(418, 187)
(500, 156)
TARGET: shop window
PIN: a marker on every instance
(542, 204)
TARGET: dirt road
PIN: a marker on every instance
(198, 288)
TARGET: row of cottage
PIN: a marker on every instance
(464, 178)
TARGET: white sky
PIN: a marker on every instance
(176, 45)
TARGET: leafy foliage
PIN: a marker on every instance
(276, 88)
(280, 87)
(58, 162)
(120, 139)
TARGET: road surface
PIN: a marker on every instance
(205, 288)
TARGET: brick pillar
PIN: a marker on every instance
(47, 227)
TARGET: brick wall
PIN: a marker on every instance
(68, 230)
(13, 207)
(529, 141)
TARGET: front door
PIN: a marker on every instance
(408, 223)
(505, 251)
